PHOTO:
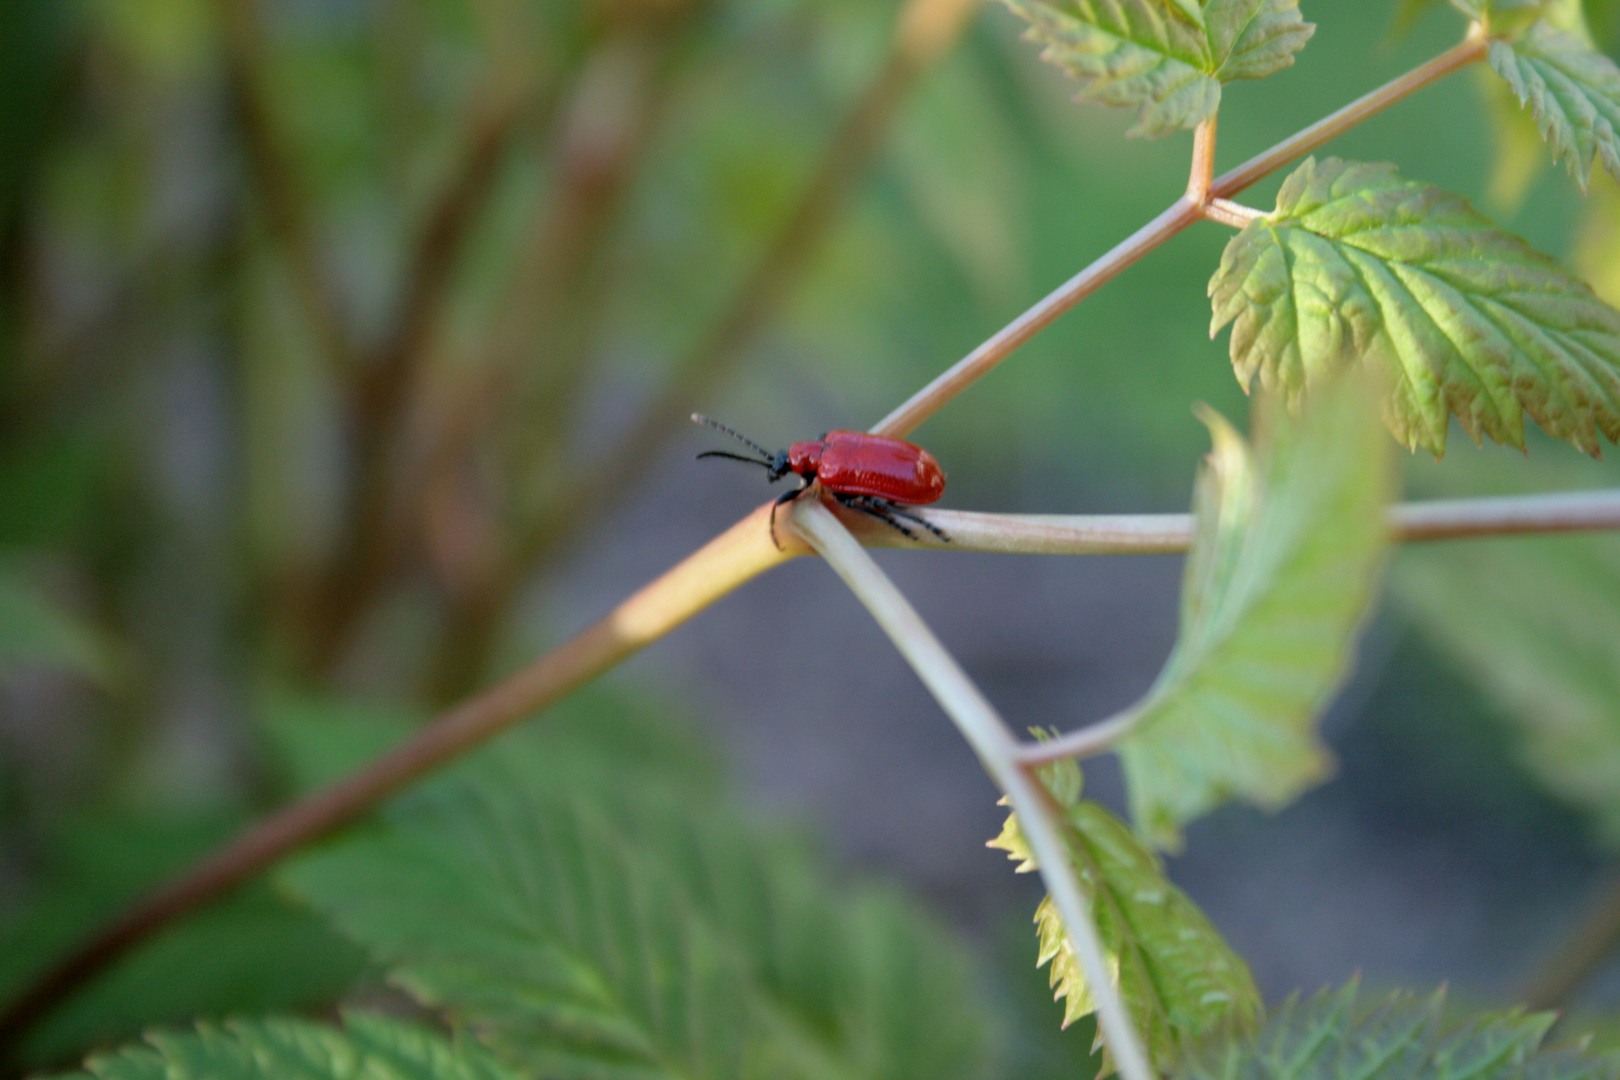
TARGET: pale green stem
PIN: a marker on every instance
(998, 750)
(1147, 534)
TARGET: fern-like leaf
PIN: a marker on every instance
(1357, 266)
(1179, 979)
(1573, 92)
(1286, 549)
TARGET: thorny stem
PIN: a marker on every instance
(998, 751)
(1181, 213)
(693, 584)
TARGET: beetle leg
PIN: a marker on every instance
(785, 497)
(881, 509)
(924, 522)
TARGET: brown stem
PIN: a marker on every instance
(726, 562)
(925, 30)
(1203, 162)
(1183, 212)
(734, 557)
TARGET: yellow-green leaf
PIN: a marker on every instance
(1179, 979)
(1573, 92)
(1455, 317)
(1286, 549)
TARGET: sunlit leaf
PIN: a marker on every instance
(1286, 549)
(1573, 92)
(1357, 266)
(1166, 58)
(366, 1048)
(1179, 979)
(1250, 39)
(1134, 53)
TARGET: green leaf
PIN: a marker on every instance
(1399, 1036)
(1536, 622)
(1285, 556)
(1133, 53)
(1356, 265)
(1179, 979)
(626, 940)
(1168, 58)
(1573, 92)
(366, 1048)
(1251, 39)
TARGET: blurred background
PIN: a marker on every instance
(346, 350)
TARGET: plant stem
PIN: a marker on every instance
(732, 558)
(1180, 214)
(1329, 127)
(739, 554)
(1203, 162)
(965, 372)
(1227, 212)
(1146, 534)
(924, 32)
(998, 750)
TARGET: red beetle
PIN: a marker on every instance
(869, 473)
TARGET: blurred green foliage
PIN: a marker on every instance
(322, 324)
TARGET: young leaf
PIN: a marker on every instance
(1573, 92)
(366, 1048)
(1285, 555)
(1180, 981)
(1356, 265)
(631, 943)
(1251, 39)
(1129, 53)
(1167, 57)
(1397, 1037)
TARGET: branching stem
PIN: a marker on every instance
(1227, 212)
(998, 750)
(738, 555)
(1180, 214)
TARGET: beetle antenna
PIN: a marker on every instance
(699, 418)
(733, 457)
